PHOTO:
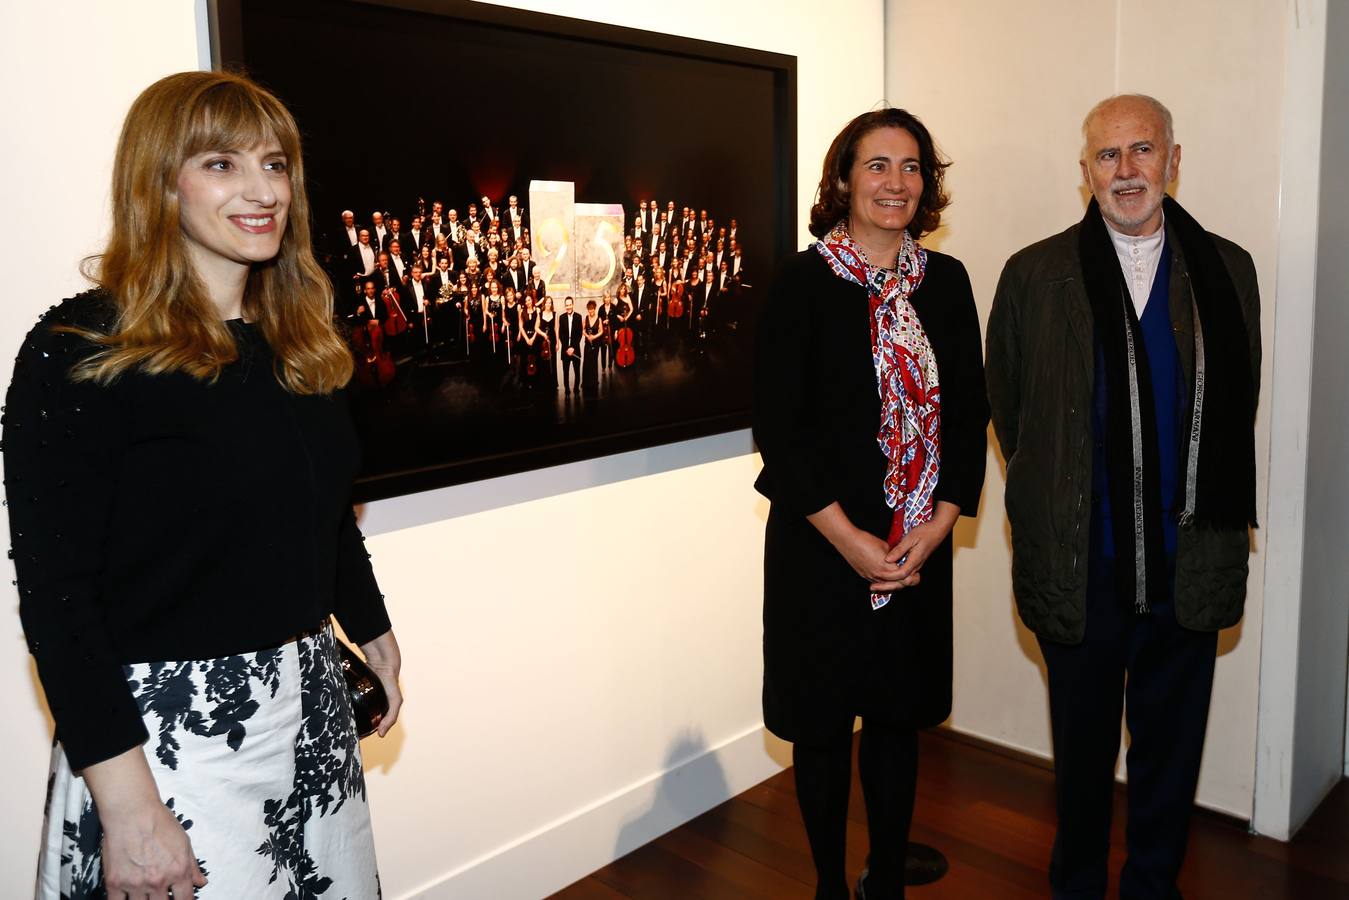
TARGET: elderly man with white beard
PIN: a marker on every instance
(1123, 366)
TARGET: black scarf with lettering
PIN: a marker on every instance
(1218, 459)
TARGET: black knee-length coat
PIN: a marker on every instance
(828, 656)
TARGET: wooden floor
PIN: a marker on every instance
(993, 817)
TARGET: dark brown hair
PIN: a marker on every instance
(831, 197)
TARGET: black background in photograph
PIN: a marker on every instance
(451, 101)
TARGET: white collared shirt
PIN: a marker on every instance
(1139, 258)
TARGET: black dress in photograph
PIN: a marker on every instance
(548, 328)
(593, 330)
(828, 656)
(530, 346)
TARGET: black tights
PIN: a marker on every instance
(887, 762)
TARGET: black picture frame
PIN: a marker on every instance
(231, 21)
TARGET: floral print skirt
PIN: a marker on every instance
(258, 758)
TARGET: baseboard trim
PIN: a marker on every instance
(1004, 750)
(946, 732)
(572, 847)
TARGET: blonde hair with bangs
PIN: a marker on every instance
(166, 321)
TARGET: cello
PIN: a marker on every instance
(395, 322)
(624, 356)
(675, 309)
(374, 364)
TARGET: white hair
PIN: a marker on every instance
(1151, 102)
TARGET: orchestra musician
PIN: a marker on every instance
(474, 273)
(608, 313)
(477, 344)
(516, 217)
(515, 276)
(418, 302)
(395, 233)
(531, 343)
(593, 334)
(535, 283)
(362, 258)
(455, 228)
(510, 331)
(440, 290)
(344, 241)
(661, 325)
(397, 262)
(644, 302)
(493, 338)
(548, 329)
(694, 303)
(412, 240)
(442, 250)
(494, 271)
(569, 328)
(379, 232)
(384, 275)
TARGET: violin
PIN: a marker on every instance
(395, 322)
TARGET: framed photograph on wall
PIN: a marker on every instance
(549, 239)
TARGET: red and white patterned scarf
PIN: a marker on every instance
(906, 376)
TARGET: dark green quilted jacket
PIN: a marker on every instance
(1039, 365)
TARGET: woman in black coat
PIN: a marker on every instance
(857, 555)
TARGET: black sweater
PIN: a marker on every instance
(816, 406)
(168, 518)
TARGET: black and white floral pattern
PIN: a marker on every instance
(256, 756)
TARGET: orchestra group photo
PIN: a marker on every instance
(470, 338)
(461, 292)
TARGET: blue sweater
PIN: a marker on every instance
(1168, 398)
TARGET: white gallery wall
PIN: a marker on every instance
(582, 643)
(1323, 623)
(1004, 89)
(79, 66)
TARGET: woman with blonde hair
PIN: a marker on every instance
(179, 462)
